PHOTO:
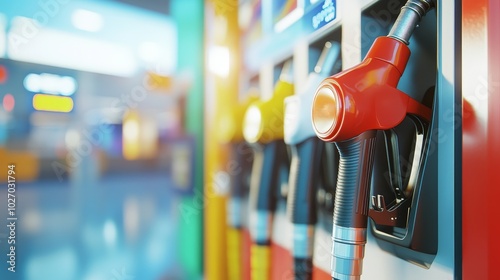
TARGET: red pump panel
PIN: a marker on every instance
(247, 246)
(319, 274)
(282, 263)
(481, 139)
(494, 131)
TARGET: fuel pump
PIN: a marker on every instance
(348, 109)
(306, 155)
(263, 130)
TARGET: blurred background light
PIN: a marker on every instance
(50, 83)
(149, 51)
(110, 233)
(140, 136)
(52, 103)
(148, 138)
(131, 136)
(67, 50)
(72, 139)
(131, 218)
(3, 74)
(3, 36)
(88, 35)
(8, 102)
(32, 221)
(219, 60)
(32, 82)
(67, 85)
(87, 20)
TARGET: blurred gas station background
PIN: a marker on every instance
(101, 114)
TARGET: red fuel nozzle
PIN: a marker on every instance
(347, 109)
(365, 97)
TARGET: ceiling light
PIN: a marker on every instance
(87, 20)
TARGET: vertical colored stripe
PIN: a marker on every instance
(481, 133)
(261, 262)
(189, 17)
(493, 136)
(234, 245)
(219, 92)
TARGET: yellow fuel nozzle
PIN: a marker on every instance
(264, 120)
(230, 120)
(229, 132)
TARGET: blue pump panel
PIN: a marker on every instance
(281, 31)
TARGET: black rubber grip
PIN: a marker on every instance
(302, 268)
(303, 181)
(353, 183)
(264, 195)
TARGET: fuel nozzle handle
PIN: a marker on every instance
(351, 205)
(301, 202)
(304, 172)
(306, 150)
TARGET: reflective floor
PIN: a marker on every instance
(119, 227)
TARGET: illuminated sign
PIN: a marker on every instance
(50, 83)
(52, 103)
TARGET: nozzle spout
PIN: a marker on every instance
(409, 18)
